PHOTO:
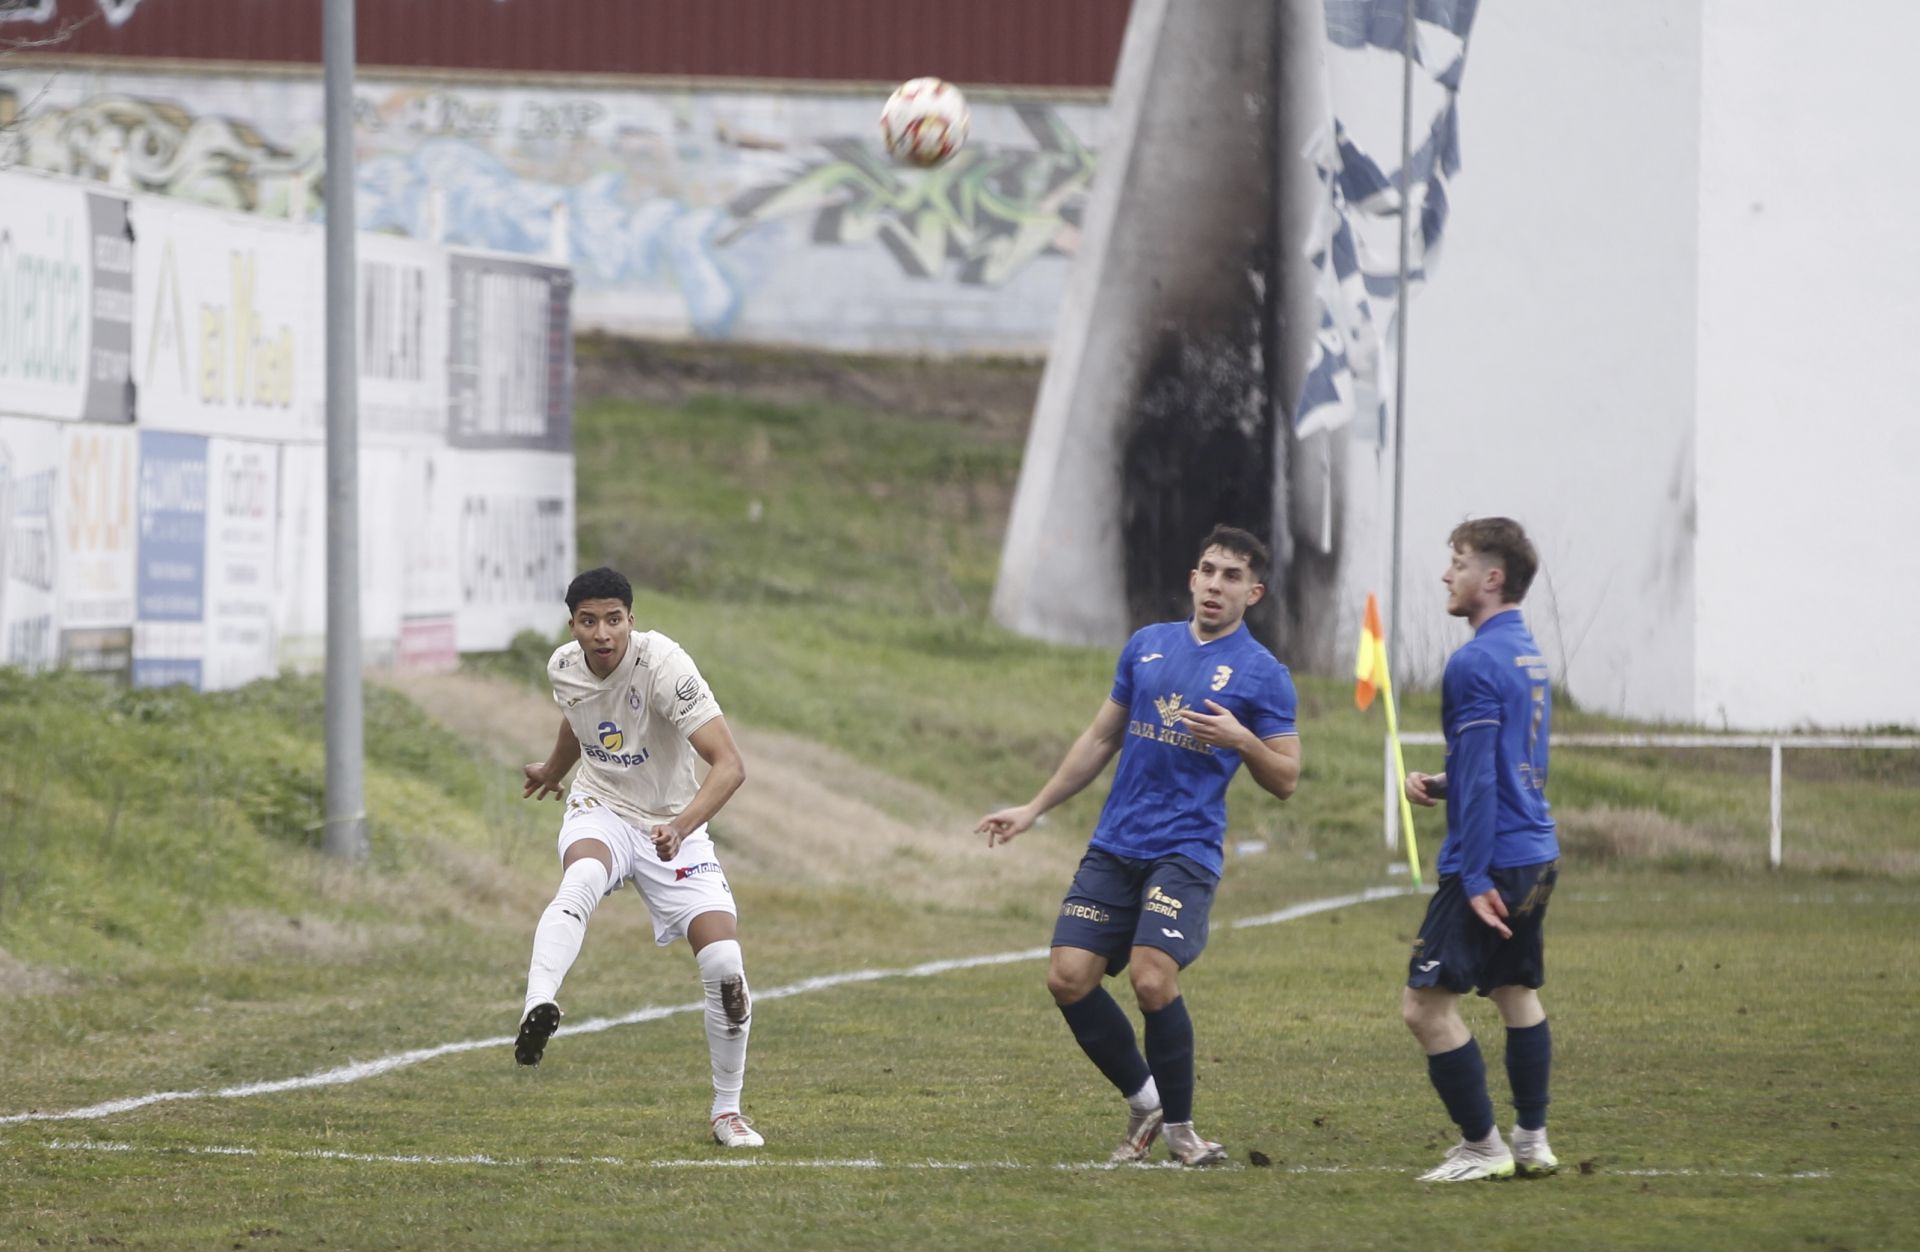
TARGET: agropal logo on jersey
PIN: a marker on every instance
(607, 750)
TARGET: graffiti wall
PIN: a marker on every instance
(751, 215)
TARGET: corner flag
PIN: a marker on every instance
(1370, 673)
(1370, 665)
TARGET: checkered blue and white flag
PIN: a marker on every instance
(1355, 243)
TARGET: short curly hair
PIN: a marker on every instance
(599, 584)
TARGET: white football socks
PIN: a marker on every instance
(1145, 1099)
(562, 928)
(721, 963)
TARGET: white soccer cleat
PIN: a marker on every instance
(1142, 1130)
(1531, 1155)
(1189, 1148)
(730, 1130)
(1473, 1162)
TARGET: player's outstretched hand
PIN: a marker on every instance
(1492, 910)
(1425, 790)
(1219, 728)
(537, 787)
(667, 841)
(1004, 825)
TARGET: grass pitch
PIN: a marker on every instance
(1734, 1047)
(1732, 1070)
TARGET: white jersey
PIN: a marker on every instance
(633, 726)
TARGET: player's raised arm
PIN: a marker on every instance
(544, 778)
(1082, 764)
(726, 770)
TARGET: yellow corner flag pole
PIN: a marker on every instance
(1400, 770)
(1371, 674)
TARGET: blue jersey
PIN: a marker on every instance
(1497, 710)
(1169, 793)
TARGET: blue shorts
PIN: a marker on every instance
(1117, 903)
(1458, 951)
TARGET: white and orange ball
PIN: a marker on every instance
(925, 121)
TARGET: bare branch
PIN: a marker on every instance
(59, 37)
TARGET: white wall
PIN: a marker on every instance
(1809, 385)
(1552, 358)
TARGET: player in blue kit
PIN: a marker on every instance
(1498, 864)
(1191, 701)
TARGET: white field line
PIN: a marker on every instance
(856, 1163)
(400, 1060)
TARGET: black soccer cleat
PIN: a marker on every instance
(535, 1029)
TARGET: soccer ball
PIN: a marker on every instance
(925, 121)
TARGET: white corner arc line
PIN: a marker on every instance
(401, 1060)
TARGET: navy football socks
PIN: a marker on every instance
(1170, 1053)
(1460, 1076)
(1529, 1062)
(1106, 1036)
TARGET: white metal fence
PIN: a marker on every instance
(1774, 744)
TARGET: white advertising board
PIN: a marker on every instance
(228, 323)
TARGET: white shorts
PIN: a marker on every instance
(676, 891)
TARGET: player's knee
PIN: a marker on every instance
(1519, 1006)
(581, 888)
(720, 960)
(1069, 986)
(1417, 1012)
(1155, 989)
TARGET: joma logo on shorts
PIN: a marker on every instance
(1159, 901)
(1085, 913)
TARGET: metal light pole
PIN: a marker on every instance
(346, 816)
(1400, 331)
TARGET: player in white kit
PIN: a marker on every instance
(635, 711)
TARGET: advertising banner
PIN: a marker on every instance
(228, 321)
(96, 555)
(29, 490)
(429, 520)
(391, 528)
(300, 586)
(66, 272)
(510, 382)
(242, 511)
(170, 580)
(516, 553)
(403, 324)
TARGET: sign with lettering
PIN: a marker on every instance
(510, 373)
(29, 565)
(170, 580)
(66, 301)
(96, 552)
(227, 327)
